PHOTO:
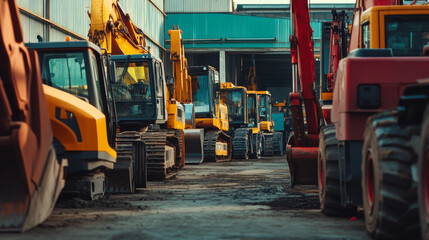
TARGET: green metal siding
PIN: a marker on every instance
(147, 17)
(35, 6)
(218, 25)
(72, 15)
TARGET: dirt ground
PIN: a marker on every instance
(227, 200)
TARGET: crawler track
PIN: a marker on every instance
(210, 139)
(155, 141)
(241, 147)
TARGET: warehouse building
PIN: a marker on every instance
(53, 20)
(232, 38)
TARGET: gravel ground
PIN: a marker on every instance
(227, 200)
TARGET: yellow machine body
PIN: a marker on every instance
(79, 127)
(267, 125)
(254, 110)
(220, 121)
(373, 20)
(175, 120)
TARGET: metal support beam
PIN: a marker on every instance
(222, 69)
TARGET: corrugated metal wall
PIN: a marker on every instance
(152, 22)
(73, 17)
(188, 6)
(217, 25)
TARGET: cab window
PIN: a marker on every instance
(406, 35)
(65, 71)
(365, 35)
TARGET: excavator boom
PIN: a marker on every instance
(182, 92)
(145, 114)
(301, 152)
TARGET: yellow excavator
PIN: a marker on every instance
(267, 124)
(263, 127)
(140, 91)
(79, 68)
(254, 124)
(181, 91)
(210, 113)
(31, 178)
(235, 98)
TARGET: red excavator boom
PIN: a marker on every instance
(302, 149)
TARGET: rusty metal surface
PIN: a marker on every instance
(302, 163)
(30, 176)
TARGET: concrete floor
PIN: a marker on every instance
(227, 200)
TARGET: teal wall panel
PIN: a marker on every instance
(219, 25)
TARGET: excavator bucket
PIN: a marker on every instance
(194, 144)
(31, 178)
(302, 163)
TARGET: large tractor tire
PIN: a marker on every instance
(329, 175)
(389, 192)
(423, 178)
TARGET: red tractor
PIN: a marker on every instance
(372, 168)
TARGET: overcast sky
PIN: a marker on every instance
(287, 1)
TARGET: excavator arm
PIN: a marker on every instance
(182, 81)
(302, 148)
(113, 30)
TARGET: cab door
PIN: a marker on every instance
(160, 92)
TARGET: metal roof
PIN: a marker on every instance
(186, 6)
(285, 7)
(66, 45)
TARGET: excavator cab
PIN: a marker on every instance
(265, 109)
(139, 91)
(267, 125)
(204, 90)
(81, 113)
(210, 113)
(236, 100)
(254, 123)
(74, 67)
